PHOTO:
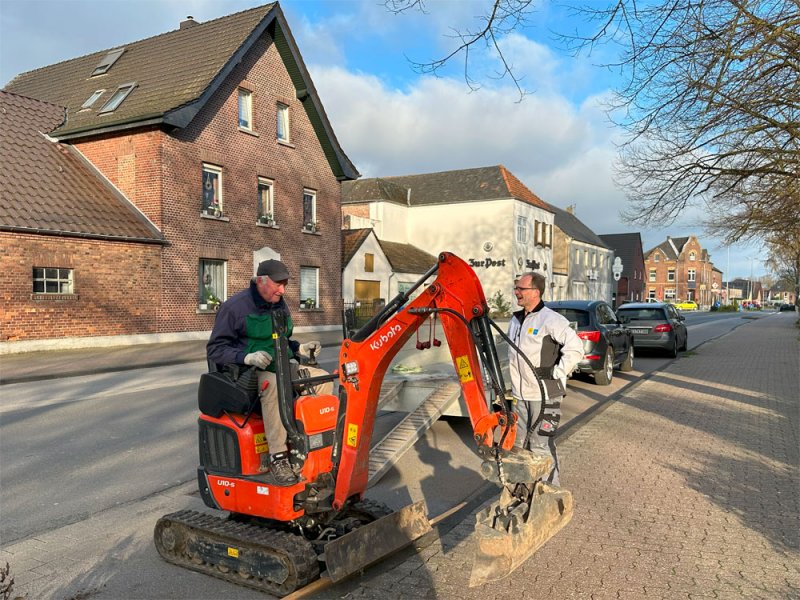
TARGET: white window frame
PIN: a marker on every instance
(651, 294)
(548, 230)
(656, 257)
(651, 275)
(310, 225)
(669, 294)
(282, 125)
(118, 97)
(670, 274)
(266, 215)
(93, 98)
(217, 171)
(522, 229)
(203, 286)
(244, 102)
(309, 287)
(691, 275)
(63, 278)
(692, 255)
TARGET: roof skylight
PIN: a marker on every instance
(108, 61)
(92, 99)
(117, 97)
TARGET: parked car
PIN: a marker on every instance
(686, 305)
(658, 326)
(606, 341)
(786, 308)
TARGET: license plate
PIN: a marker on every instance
(639, 331)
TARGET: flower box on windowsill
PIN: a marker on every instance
(311, 227)
(214, 217)
(266, 221)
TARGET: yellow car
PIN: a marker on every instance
(688, 305)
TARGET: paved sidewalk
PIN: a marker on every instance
(687, 487)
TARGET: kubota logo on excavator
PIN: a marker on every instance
(385, 337)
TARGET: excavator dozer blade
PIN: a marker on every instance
(509, 532)
(375, 541)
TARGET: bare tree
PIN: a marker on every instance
(784, 260)
(711, 107)
(500, 18)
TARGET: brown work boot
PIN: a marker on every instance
(282, 473)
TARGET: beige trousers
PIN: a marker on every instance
(270, 411)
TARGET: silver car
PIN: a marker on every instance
(655, 325)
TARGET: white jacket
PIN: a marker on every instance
(540, 331)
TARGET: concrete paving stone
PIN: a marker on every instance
(27, 547)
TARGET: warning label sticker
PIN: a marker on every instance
(260, 441)
(352, 435)
(464, 370)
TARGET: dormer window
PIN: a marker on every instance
(92, 99)
(108, 61)
(118, 96)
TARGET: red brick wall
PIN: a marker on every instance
(132, 162)
(162, 174)
(702, 292)
(116, 287)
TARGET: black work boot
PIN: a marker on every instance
(282, 473)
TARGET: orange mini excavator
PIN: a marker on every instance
(278, 539)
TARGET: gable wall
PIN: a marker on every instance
(132, 162)
(381, 272)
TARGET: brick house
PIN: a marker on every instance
(628, 248)
(484, 215)
(215, 133)
(98, 267)
(680, 269)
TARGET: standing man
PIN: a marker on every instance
(553, 348)
(242, 334)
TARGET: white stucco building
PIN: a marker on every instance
(485, 215)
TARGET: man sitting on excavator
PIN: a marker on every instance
(242, 334)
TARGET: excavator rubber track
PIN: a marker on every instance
(268, 560)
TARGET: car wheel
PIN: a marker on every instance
(685, 346)
(627, 364)
(673, 352)
(604, 376)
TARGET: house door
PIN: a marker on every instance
(367, 291)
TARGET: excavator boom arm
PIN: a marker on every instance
(456, 296)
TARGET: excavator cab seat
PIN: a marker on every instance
(234, 389)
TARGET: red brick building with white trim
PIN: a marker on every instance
(221, 146)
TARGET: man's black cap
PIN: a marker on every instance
(274, 269)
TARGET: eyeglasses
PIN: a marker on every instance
(520, 289)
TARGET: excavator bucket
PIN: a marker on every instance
(375, 541)
(509, 531)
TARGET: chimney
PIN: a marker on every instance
(189, 22)
(571, 209)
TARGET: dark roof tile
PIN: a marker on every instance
(446, 187)
(574, 228)
(406, 258)
(351, 242)
(48, 188)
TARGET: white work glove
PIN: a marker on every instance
(305, 349)
(258, 359)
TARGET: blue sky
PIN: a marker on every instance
(391, 120)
